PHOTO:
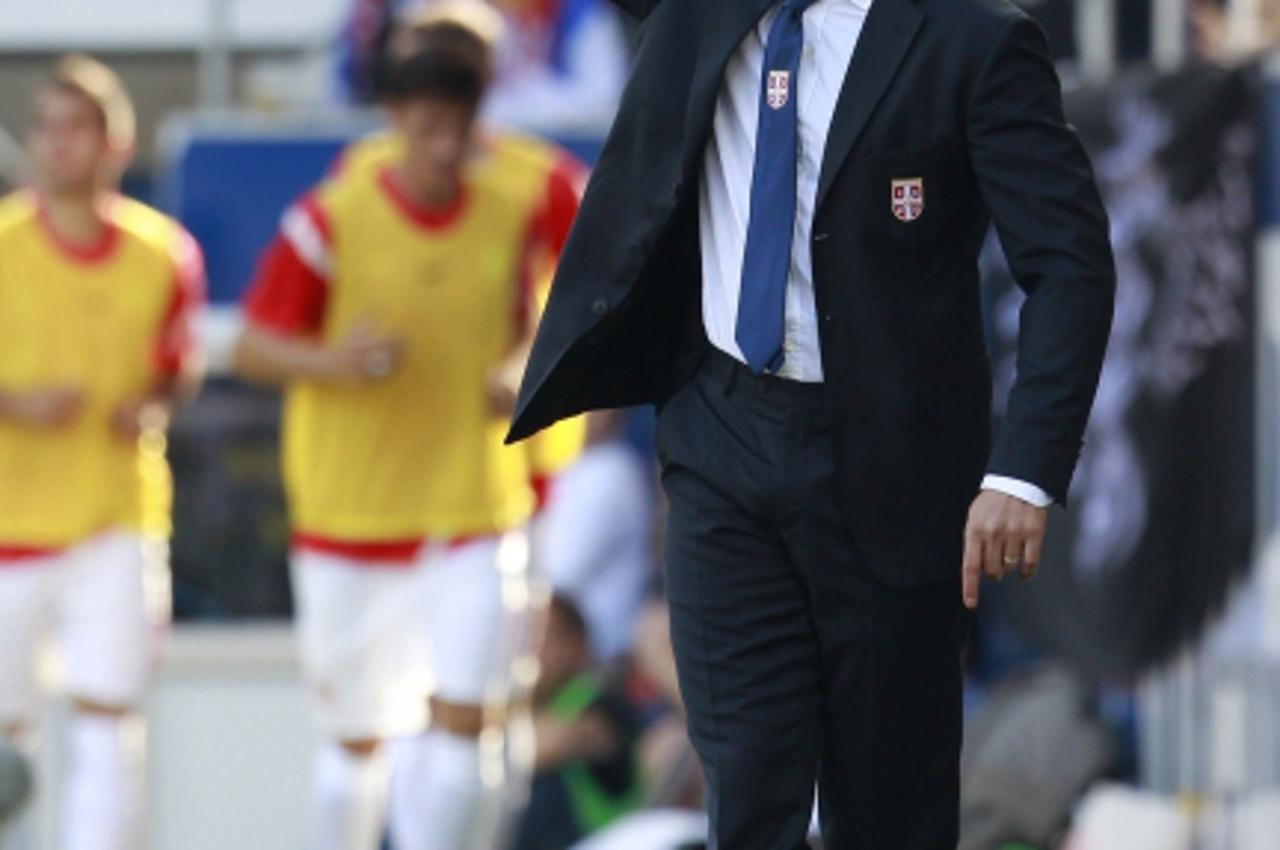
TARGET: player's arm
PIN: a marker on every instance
(269, 356)
(47, 407)
(284, 314)
(548, 233)
(178, 361)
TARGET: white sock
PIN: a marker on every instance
(103, 793)
(436, 793)
(350, 799)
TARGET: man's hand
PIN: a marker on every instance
(55, 407)
(503, 386)
(131, 419)
(1004, 535)
(364, 356)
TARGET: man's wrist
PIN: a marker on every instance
(325, 364)
(1024, 491)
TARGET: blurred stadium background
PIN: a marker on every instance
(1130, 699)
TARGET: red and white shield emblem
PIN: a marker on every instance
(908, 199)
(778, 91)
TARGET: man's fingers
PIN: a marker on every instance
(993, 556)
(1031, 556)
(1014, 554)
(972, 570)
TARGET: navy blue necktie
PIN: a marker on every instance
(762, 305)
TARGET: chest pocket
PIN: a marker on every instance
(909, 198)
(913, 187)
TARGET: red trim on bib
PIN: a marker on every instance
(437, 218)
(12, 555)
(402, 553)
(383, 551)
(99, 251)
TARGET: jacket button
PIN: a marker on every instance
(600, 306)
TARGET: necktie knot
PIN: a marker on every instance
(798, 7)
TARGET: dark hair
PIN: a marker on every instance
(569, 614)
(450, 62)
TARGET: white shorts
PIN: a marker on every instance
(98, 604)
(377, 639)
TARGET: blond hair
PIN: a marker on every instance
(102, 87)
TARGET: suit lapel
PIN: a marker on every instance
(724, 28)
(887, 35)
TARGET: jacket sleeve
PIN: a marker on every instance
(637, 8)
(1038, 185)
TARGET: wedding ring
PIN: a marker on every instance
(1012, 561)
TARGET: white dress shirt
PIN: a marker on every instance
(831, 32)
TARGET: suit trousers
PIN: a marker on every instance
(797, 666)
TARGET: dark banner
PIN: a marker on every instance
(1161, 514)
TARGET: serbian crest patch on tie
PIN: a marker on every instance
(908, 199)
(778, 92)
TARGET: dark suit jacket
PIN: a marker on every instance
(960, 93)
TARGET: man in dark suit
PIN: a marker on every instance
(779, 249)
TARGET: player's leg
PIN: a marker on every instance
(359, 638)
(439, 795)
(106, 635)
(24, 591)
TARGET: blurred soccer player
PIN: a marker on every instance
(545, 175)
(395, 306)
(96, 296)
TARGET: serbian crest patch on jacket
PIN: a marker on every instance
(908, 199)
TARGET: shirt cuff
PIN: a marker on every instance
(1027, 492)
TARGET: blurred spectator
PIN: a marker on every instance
(595, 537)
(586, 776)
(1219, 38)
(1030, 753)
(561, 69)
(1209, 24)
(564, 66)
(673, 774)
(360, 49)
